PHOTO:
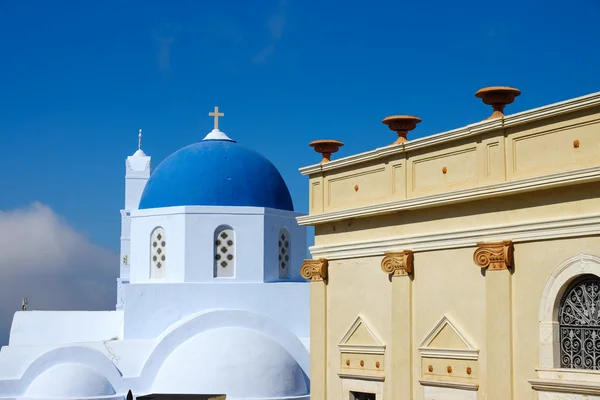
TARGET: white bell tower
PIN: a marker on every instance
(137, 172)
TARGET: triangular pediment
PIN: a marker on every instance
(360, 338)
(446, 340)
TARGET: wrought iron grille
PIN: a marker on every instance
(579, 320)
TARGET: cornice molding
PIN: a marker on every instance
(495, 256)
(548, 111)
(315, 270)
(398, 263)
(377, 378)
(527, 231)
(448, 384)
(578, 176)
(563, 386)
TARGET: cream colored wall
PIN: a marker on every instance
(355, 290)
(534, 263)
(447, 283)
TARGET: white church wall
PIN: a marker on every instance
(58, 327)
(201, 224)
(143, 223)
(125, 245)
(173, 302)
(275, 222)
(191, 243)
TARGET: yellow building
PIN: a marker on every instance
(463, 265)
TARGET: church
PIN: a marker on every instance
(209, 301)
(463, 265)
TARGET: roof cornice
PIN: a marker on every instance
(548, 111)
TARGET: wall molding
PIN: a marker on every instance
(559, 179)
(548, 111)
(378, 378)
(562, 386)
(448, 384)
(585, 225)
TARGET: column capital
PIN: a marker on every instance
(495, 256)
(398, 263)
(315, 270)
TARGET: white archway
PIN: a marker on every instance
(563, 275)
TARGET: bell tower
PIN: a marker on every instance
(137, 172)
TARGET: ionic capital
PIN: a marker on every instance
(398, 263)
(315, 270)
(495, 256)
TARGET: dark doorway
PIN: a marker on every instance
(362, 396)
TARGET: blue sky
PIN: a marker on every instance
(79, 78)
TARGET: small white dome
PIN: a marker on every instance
(139, 153)
(216, 134)
(69, 380)
(237, 362)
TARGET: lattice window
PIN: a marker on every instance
(224, 266)
(579, 320)
(158, 253)
(284, 254)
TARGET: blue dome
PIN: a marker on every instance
(216, 173)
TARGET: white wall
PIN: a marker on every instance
(152, 308)
(191, 245)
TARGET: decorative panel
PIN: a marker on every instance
(555, 148)
(361, 353)
(316, 197)
(361, 187)
(398, 181)
(448, 359)
(445, 171)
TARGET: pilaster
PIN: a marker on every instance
(497, 259)
(399, 265)
(317, 271)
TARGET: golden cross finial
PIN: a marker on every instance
(216, 114)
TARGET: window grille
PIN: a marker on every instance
(224, 249)
(579, 322)
(284, 254)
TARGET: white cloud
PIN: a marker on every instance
(276, 24)
(54, 266)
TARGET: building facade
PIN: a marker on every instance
(207, 300)
(463, 265)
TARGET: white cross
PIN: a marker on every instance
(216, 114)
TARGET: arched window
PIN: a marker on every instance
(284, 254)
(224, 264)
(158, 253)
(579, 322)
